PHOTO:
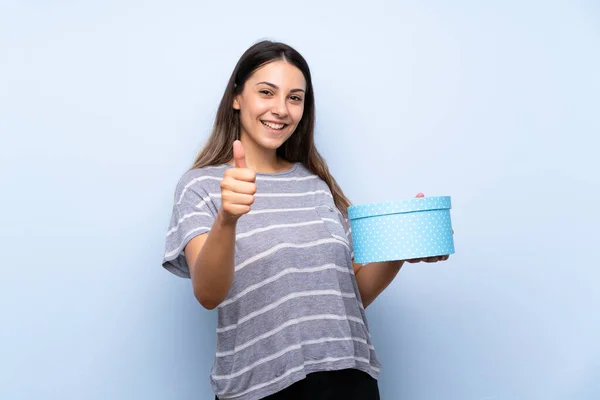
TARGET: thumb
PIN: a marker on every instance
(420, 195)
(239, 155)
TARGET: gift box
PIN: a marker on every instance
(401, 230)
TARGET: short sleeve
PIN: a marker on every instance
(349, 235)
(348, 230)
(193, 214)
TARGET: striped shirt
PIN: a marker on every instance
(294, 306)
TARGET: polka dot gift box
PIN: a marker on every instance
(401, 230)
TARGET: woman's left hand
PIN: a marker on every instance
(429, 259)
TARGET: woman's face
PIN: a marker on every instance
(271, 104)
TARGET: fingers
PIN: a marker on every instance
(240, 174)
(420, 195)
(239, 155)
(428, 259)
(236, 204)
(240, 199)
(436, 259)
(238, 192)
(239, 183)
(236, 210)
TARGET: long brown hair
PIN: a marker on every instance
(300, 147)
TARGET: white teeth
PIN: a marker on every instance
(273, 126)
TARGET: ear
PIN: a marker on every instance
(236, 103)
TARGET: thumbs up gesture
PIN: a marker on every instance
(238, 186)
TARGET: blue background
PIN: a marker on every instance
(104, 105)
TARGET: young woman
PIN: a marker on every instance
(260, 227)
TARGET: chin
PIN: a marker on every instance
(272, 143)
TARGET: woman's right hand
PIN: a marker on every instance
(237, 187)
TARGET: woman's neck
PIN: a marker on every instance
(263, 160)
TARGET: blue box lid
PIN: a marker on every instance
(398, 207)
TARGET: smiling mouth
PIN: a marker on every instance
(277, 127)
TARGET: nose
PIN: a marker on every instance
(280, 107)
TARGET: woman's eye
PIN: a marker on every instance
(265, 91)
(296, 98)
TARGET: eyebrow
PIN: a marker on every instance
(276, 87)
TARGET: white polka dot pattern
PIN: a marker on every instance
(414, 228)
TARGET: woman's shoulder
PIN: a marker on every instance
(200, 179)
(210, 172)
(301, 170)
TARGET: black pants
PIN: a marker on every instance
(346, 384)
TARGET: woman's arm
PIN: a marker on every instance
(373, 278)
(211, 257)
(211, 260)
